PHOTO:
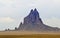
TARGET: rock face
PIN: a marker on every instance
(33, 22)
(32, 18)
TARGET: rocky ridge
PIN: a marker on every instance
(33, 22)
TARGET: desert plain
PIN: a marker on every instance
(28, 34)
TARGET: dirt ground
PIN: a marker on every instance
(26, 33)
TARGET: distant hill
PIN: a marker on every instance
(33, 22)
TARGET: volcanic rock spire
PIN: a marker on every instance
(33, 17)
(34, 22)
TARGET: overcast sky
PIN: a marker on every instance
(12, 12)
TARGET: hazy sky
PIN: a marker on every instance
(12, 12)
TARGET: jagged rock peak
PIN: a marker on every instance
(34, 12)
(31, 10)
(33, 17)
(33, 22)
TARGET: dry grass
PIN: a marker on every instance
(26, 34)
(30, 36)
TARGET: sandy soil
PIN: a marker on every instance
(25, 32)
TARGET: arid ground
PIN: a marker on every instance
(25, 34)
(31, 36)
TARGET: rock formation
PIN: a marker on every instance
(33, 22)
